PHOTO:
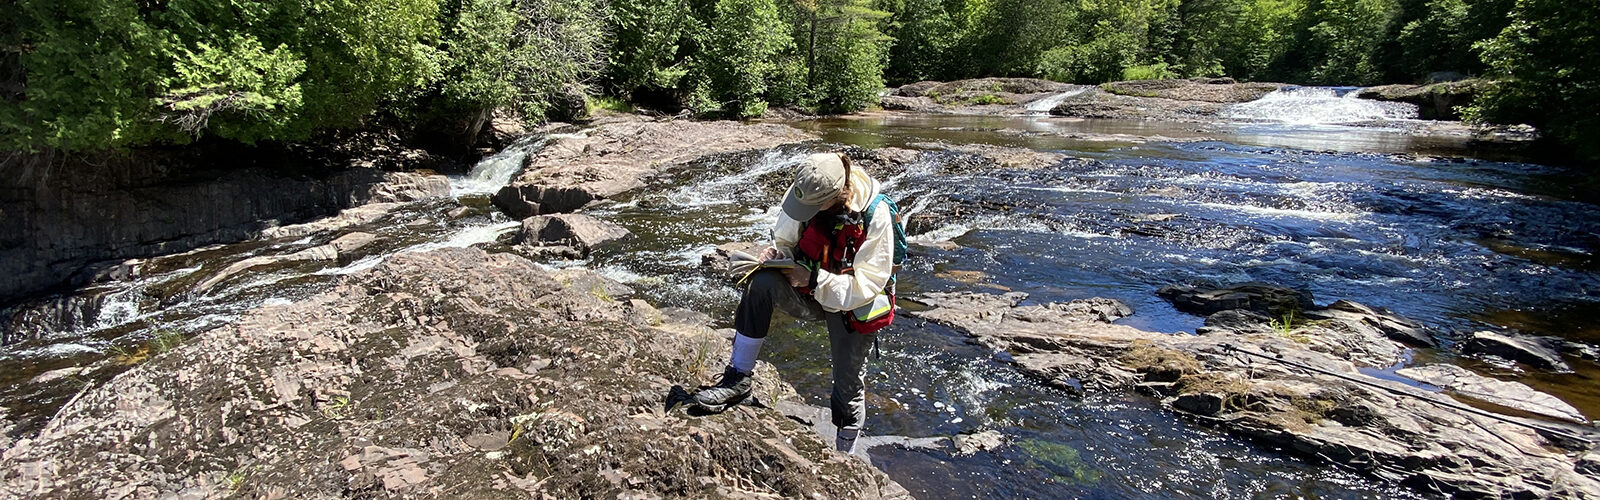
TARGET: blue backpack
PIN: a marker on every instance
(900, 245)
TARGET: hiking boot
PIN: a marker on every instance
(733, 388)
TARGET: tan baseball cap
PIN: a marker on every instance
(819, 180)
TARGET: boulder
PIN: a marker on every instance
(1508, 394)
(970, 444)
(1262, 298)
(1531, 351)
(716, 261)
(1393, 326)
(1239, 321)
(918, 89)
(578, 232)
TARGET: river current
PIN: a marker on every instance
(1421, 226)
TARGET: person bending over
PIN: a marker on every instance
(843, 277)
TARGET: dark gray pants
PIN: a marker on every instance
(768, 290)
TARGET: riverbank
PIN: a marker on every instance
(1212, 100)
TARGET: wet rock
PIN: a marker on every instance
(451, 373)
(1435, 101)
(399, 187)
(1263, 298)
(1589, 465)
(1257, 385)
(583, 234)
(615, 157)
(1509, 394)
(917, 104)
(66, 218)
(1237, 321)
(716, 261)
(1392, 325)
(1531, 351)
(1203, 404)
(364, 214)
(341, 249)
(970, 444)
(1223, 91)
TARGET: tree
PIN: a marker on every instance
(1549, 72)
(110, 73)
(653, 40)
(844, 52)
(1345, 39)
(738, 59)
(924, 35)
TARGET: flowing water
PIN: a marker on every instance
(1372, 215)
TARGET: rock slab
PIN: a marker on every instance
(447, 374)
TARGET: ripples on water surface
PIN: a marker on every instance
(1457, 244)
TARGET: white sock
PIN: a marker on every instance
(745, 351)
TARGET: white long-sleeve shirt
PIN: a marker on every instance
(874, 261)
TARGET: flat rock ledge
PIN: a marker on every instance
(1422, 439)
(616, 157)
(448, 374)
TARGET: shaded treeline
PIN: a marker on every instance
(93, 74)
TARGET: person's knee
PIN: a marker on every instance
(766, 280)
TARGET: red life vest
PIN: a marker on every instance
(830, 241)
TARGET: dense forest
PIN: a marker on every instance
(93, 74)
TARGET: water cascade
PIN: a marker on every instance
(1318, 106)
(1043, 106)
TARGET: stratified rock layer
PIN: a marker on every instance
(448, 374)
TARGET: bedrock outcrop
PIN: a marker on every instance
(65, 221)
(1287, 394)
(617, 156)
(448, 374)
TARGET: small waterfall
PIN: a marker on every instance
(494, 172)
(1043, 106)
(1318, 105)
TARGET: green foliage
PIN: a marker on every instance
(924, 35)
(652, 39)
(1345, 38)
(1157, 71)
(109, 73)
(738, 58)
(1549, 73)
(845, 53)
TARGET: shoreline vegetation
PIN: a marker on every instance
(81, 76)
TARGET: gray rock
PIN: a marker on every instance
(970, 444)
(1393, 326)
(716, 261)
(1399, 431)
(579, 232)
(1263, 298)
(1531, 351)
(1509, 394)
(1236, 321)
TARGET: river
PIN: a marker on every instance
(1422, 226)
